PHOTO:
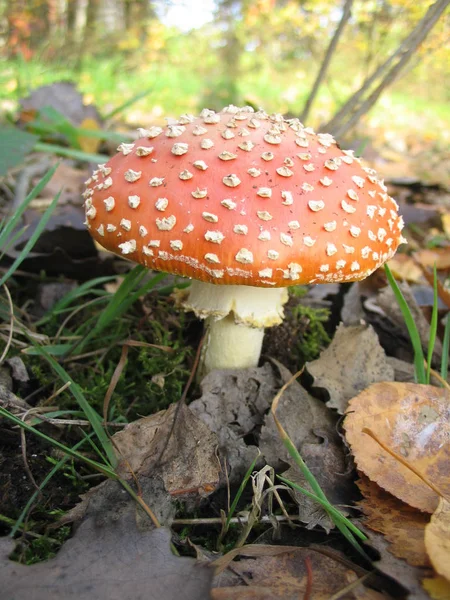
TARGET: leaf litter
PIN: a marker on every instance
(114, 555)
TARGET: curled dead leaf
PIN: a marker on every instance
(413, 420)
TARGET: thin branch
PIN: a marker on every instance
(346, 14)
(356, 107)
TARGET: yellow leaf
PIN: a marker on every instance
(437, 587)
(437, 539)
(89, 144)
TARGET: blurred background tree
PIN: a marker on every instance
(213, 52)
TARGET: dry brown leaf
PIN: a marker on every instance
(188, 465)
(113, 555)
(285, 575)
(413, 420)
(404, 267)
(438, 587)
(437, 539)
(352, 361)
(402, 525)
(233, 404)
(436, 256)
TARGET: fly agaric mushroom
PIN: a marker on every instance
(244, 203)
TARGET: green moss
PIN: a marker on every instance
(314, 337)
(35, 550)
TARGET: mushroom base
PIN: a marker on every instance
(229, 345)
(235, 320)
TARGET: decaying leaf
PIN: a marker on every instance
(437, 539)
(402, 525)
(312, 428)
(412, 420)
(285, 575)
(232, 405)
(403, 575)
(438, 587)
(113, 555)
(352, 361)
(176, 445)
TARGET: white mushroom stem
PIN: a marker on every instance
(229, 345)
(236, 316)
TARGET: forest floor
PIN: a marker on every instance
(121, 477)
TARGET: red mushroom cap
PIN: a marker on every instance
(239, 197)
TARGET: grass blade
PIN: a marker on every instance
(12, 223)
(70, 153)
(445, 348)
(127, 104)
(105, 469)
(92, 416)
(419, 358)
(42, 485)
(78, 292)
(433, 324)
(31, 242)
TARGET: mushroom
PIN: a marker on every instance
(245, 204)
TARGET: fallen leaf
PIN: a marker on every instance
(446, 223)
(285, 575)
(312, 428)
(436, 256)
(406, 579)
(405, 268)
(112, 556)
(402, 525)
(413, 420)
(403, 371)
(233, 404)
(87, 143)
(438, 587)
(174, 444)
(437, 539)
(352, 361)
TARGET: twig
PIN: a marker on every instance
(309, 579)
(11, 325)
(183, 398)
(348, 588)
(23, 444)
(236, 520)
